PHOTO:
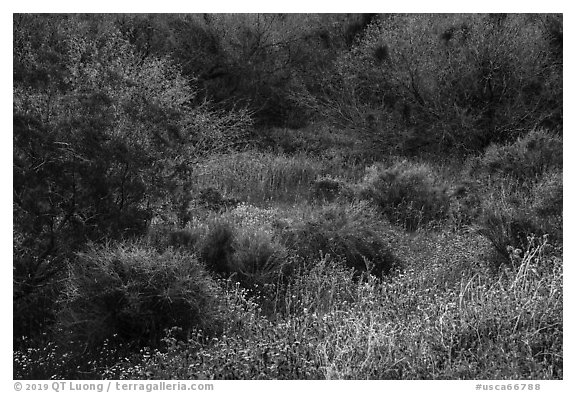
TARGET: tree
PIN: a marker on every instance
(102, 137)
(447, 81)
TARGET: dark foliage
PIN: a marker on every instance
(210, 198)
(253, 59)
(216, 248)
(328, 189)
(445, 83)
(102, 138)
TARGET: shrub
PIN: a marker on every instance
(328, 188)
(215, 248)
(351, 231)
(408, 194)
(510, 215)
(524, 197)
(241, 245)
(465, 203)
(97, 129)
(506, 222)
(258, 258)
(527, 158)
(132, 294)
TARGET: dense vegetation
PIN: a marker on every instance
(288, 196)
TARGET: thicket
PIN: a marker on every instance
(253, 59)
(446, 82)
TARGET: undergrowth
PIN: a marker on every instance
(504, 327)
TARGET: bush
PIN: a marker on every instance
(408, 194)
(510, 216)
(241, 245)
(353, 232)
(328, 188)
(465, 203)
(525, 191)
(258, 259)
(132, 294)
(507, 223)
(527, 158)
(215, 248)
(103, 136)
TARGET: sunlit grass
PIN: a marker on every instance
(405, 327)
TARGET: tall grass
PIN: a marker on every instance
(259, 177)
